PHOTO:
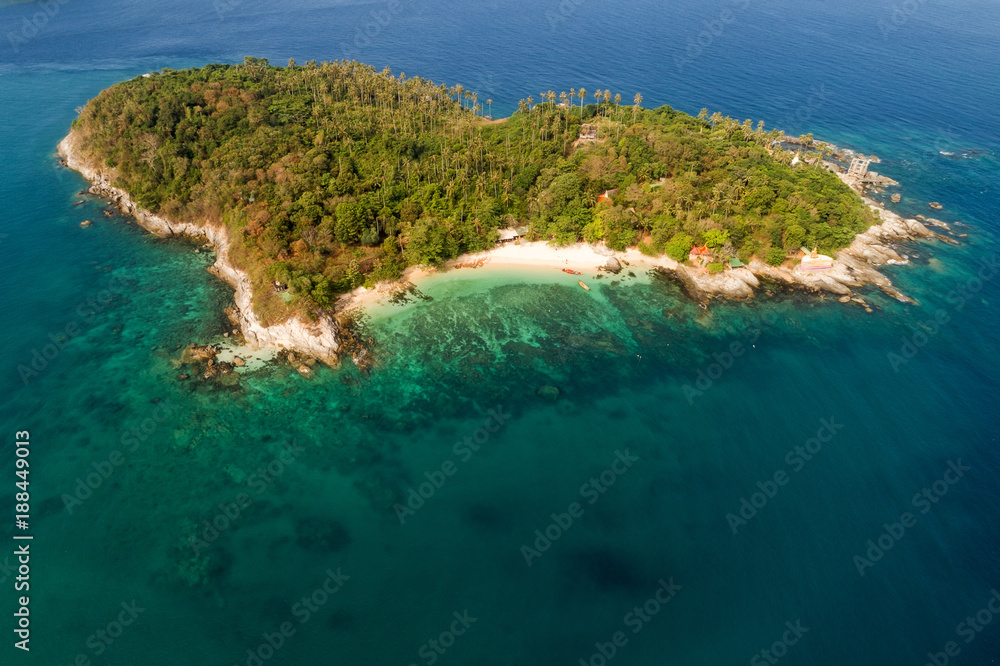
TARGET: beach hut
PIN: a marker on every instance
(606, 196)
(508, 235)
(697, 253)
(735, 263)
(512, 234)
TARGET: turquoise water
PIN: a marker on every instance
(307, 480)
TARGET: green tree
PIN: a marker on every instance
(775, 256)
(352, 220)
(716, 237)
(795, 236)
(679, 246)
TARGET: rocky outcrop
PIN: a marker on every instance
(853, 267)
(319, 338)
(735, 285)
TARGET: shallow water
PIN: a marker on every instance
(301, 476)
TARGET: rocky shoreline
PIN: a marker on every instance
(326, 339)
(854, 267)
(320, 339)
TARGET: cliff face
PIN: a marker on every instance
(320, 338)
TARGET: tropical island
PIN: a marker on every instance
(313, 180)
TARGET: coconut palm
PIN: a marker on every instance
(635, 109)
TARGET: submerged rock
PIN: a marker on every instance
(204, 353)
(550, 393)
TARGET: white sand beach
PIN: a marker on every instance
(580, 257)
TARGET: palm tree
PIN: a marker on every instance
(729, 200)
(583, 95)
(490, 103)
(716, 197)
(618, 102)
(635, 109)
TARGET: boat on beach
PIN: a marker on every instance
(571, 271)
(580, 282)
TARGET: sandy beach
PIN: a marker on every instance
(579, 256)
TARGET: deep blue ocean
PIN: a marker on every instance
(828, 497)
